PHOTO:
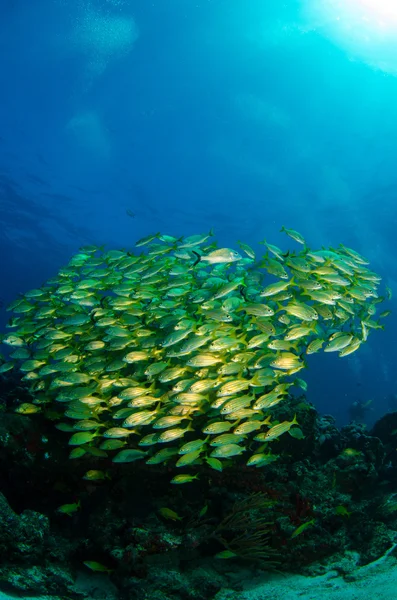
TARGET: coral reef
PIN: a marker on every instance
(186, 356)
(161, 541)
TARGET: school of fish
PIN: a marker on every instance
(178, 353)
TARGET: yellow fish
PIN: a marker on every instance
(167, 513)
(294, 235)
(96, 475)
(69, 509)
(97, 567)
(302, 528)
(27, 408)
(220, 256)
(180, 479)
(277, 430)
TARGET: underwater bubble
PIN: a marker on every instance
(103, 37)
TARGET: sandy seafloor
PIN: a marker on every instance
(377, 580)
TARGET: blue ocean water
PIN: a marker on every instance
(119, 118)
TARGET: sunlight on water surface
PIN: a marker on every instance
(366, 29)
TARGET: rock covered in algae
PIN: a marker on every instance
(27, 548)
(178, 354)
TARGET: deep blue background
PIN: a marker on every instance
(242, 115)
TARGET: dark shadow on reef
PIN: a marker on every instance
(133, 535)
